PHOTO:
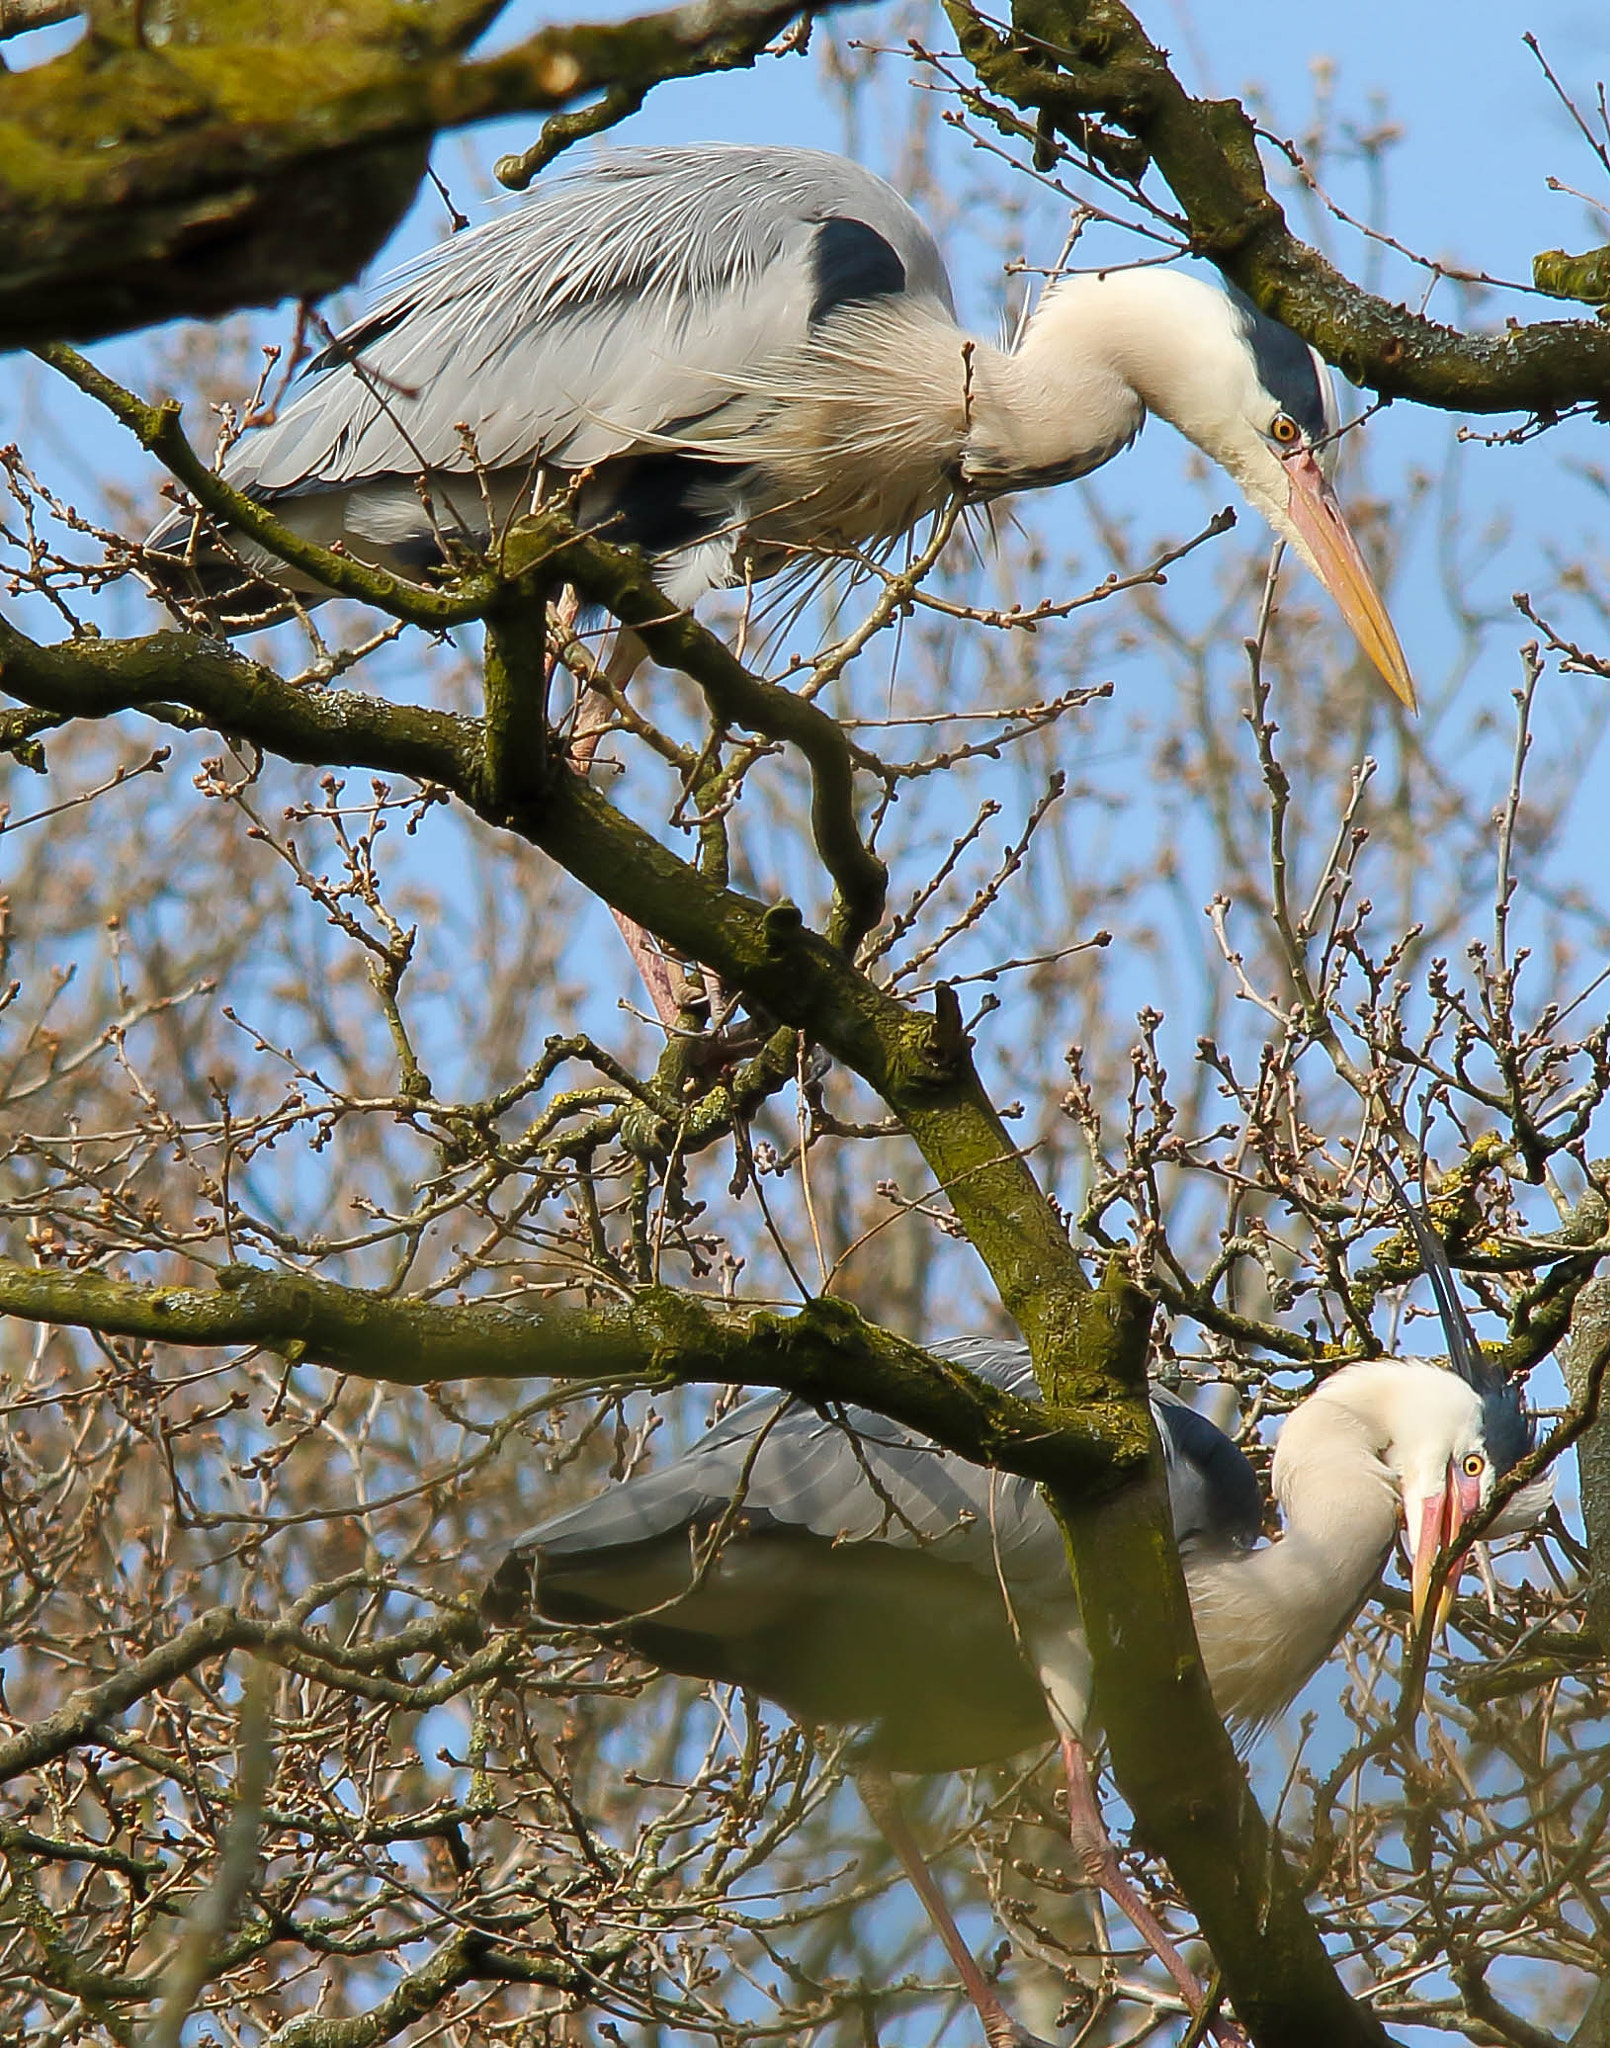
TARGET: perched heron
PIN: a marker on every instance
(858, 1575)
(742, 356)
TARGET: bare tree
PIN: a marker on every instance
(1057, 926)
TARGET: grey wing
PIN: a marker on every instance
(1213, 1492)
(619, 306)
(854, 1476)
(850, 1476)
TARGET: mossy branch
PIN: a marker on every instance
(1071, 60)
(515, 683)
(467, 1957)
(823, 1353)
(261, 151)
(243, 698)
(1585, 277)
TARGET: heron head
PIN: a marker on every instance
(1265, 410)
(1445, 1472)
(1462, 1433)
(1450, 1446)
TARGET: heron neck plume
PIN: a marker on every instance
(1266, 1619)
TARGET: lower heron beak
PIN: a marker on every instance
(1442, 1516)
(1336, 560)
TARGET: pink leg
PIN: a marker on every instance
(1000, 2029)
(659, 978)
(653, 966)
(1093, 1846)
(592, 719)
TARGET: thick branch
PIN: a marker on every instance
(824, 1353)
(467, 1957)
(262, 151)
(1073, 59)
(17, 17)
(1174, 1762)
(326, 728)
(1590, 1340)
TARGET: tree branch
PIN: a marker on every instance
(157, 428)
(17, 17)
(1069, 60)
(325, 728)
(265, 152)
(466, 1957)
(823, 1353)
(618, 579)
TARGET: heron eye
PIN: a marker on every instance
(1285, 429)
(1475, 1466)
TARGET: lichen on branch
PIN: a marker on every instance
(213, 154)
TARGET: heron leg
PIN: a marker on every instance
(1093, 1847)
(593, 714)
(878, 1795)
(592, 722)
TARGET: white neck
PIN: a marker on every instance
(1268, 1618)
(1101, 351)
(1059, 406)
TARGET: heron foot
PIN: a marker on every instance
(1006, 2033)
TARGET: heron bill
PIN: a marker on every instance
(1340, 565)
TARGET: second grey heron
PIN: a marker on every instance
(739, 356)
(855, 1573)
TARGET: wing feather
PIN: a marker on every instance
(855, 1477)
(624, 302)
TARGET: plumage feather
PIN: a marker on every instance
(742, 354)
(852, 1570)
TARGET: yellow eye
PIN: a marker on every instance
(1475, 1466)
(1285, 429)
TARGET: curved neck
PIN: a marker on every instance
(1102, 351)
(1267, 1619)
(1059, 405)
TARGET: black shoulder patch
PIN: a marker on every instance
(852, 262)
(665, 501)
(352, 341)
(1285, 368)
(1213, 1491)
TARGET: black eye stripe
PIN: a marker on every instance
(1286, 367)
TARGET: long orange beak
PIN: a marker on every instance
(1442, 1516)
(1344, 572)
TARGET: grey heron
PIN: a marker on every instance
(856, 1574)
(739, 356)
